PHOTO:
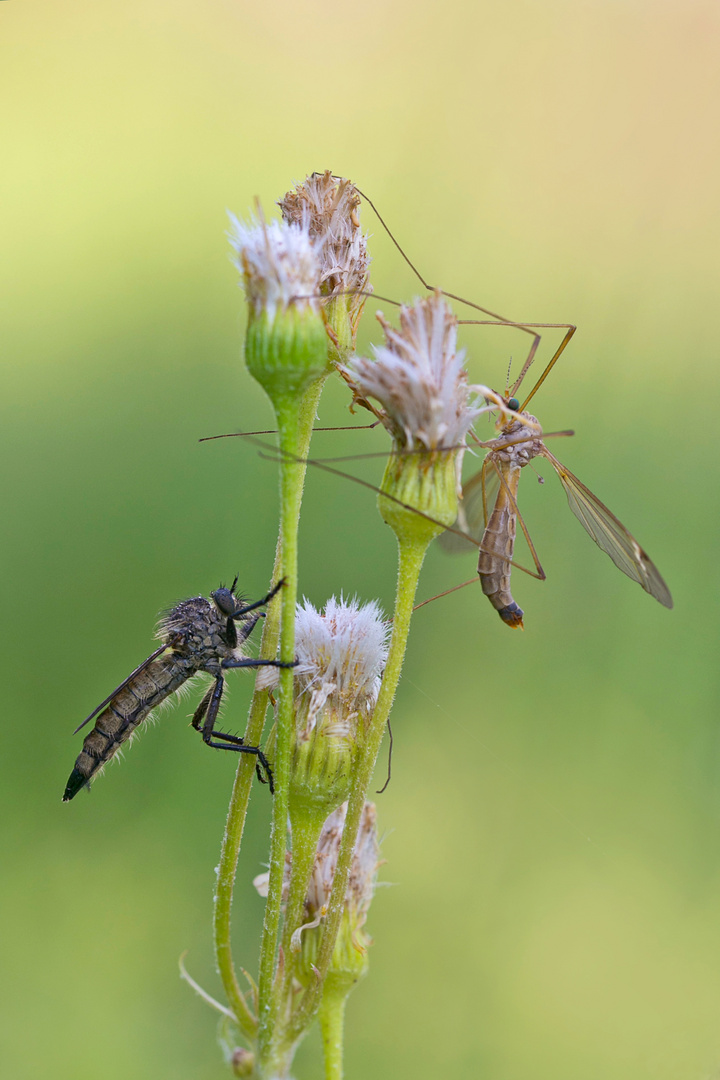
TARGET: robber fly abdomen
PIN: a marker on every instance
(198, 636)
(126, 711)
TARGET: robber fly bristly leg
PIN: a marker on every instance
(259, 603)
(220, 740)
(199, 714)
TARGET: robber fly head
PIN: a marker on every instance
(225, 599)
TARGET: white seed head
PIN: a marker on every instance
(279, 264)
(328, 207)
(419, 378)
(341, 653)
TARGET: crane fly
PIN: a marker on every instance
(489, 512)
(197, 636)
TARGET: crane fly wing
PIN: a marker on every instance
(478, 499)
(610, 534)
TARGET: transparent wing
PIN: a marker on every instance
(471, 518)
(610, 534)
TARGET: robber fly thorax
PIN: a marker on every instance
(198, 636)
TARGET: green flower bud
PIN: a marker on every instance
(286, 342)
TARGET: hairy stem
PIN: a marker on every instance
(411, 555)
(332, 1027)
(240, 797)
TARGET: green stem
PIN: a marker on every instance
(291, 494)
(411, 555)
(332, 1027)
(240, 797)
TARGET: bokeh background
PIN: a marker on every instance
(553, 823)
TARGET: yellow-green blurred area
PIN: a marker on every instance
(553, 821)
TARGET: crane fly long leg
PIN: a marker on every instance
(123, 684)
(528, 328)
(512, 391)
(539, 573)
(389, 768)
(274, 431)
(553, 360)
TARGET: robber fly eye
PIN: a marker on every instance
(224, 600)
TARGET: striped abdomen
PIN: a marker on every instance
(124, 713)
(497, 546)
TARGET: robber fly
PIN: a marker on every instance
(198, 636)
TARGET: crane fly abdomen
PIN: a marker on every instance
(124, 713)
(497, 547)
(519, 442)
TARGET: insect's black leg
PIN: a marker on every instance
(244, 631)
(202, 709)
(259, 603)
(218, 740)
(233, 636)
(250, 662)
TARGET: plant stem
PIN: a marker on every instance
(332, 1026)
(411, 555)
(240, 797)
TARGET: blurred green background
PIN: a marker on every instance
(553, 824)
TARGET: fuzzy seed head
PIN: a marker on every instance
(279, 264)
(341, 654)
(419, 378)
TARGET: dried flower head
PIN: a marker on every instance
(285, 344)
(419, 378)
(363, 870)
(427, 405)
(349, 959)
(328, 206)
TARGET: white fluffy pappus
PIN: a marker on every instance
(419, 378)
(279, 264)
(341, 652)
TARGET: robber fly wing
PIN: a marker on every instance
(122, 686)
(610, 534)
(478, 499)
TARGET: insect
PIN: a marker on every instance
(489, 514)
(520, 439)
(198, 635)
(489, 511)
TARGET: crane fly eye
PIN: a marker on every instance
(513, 403)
